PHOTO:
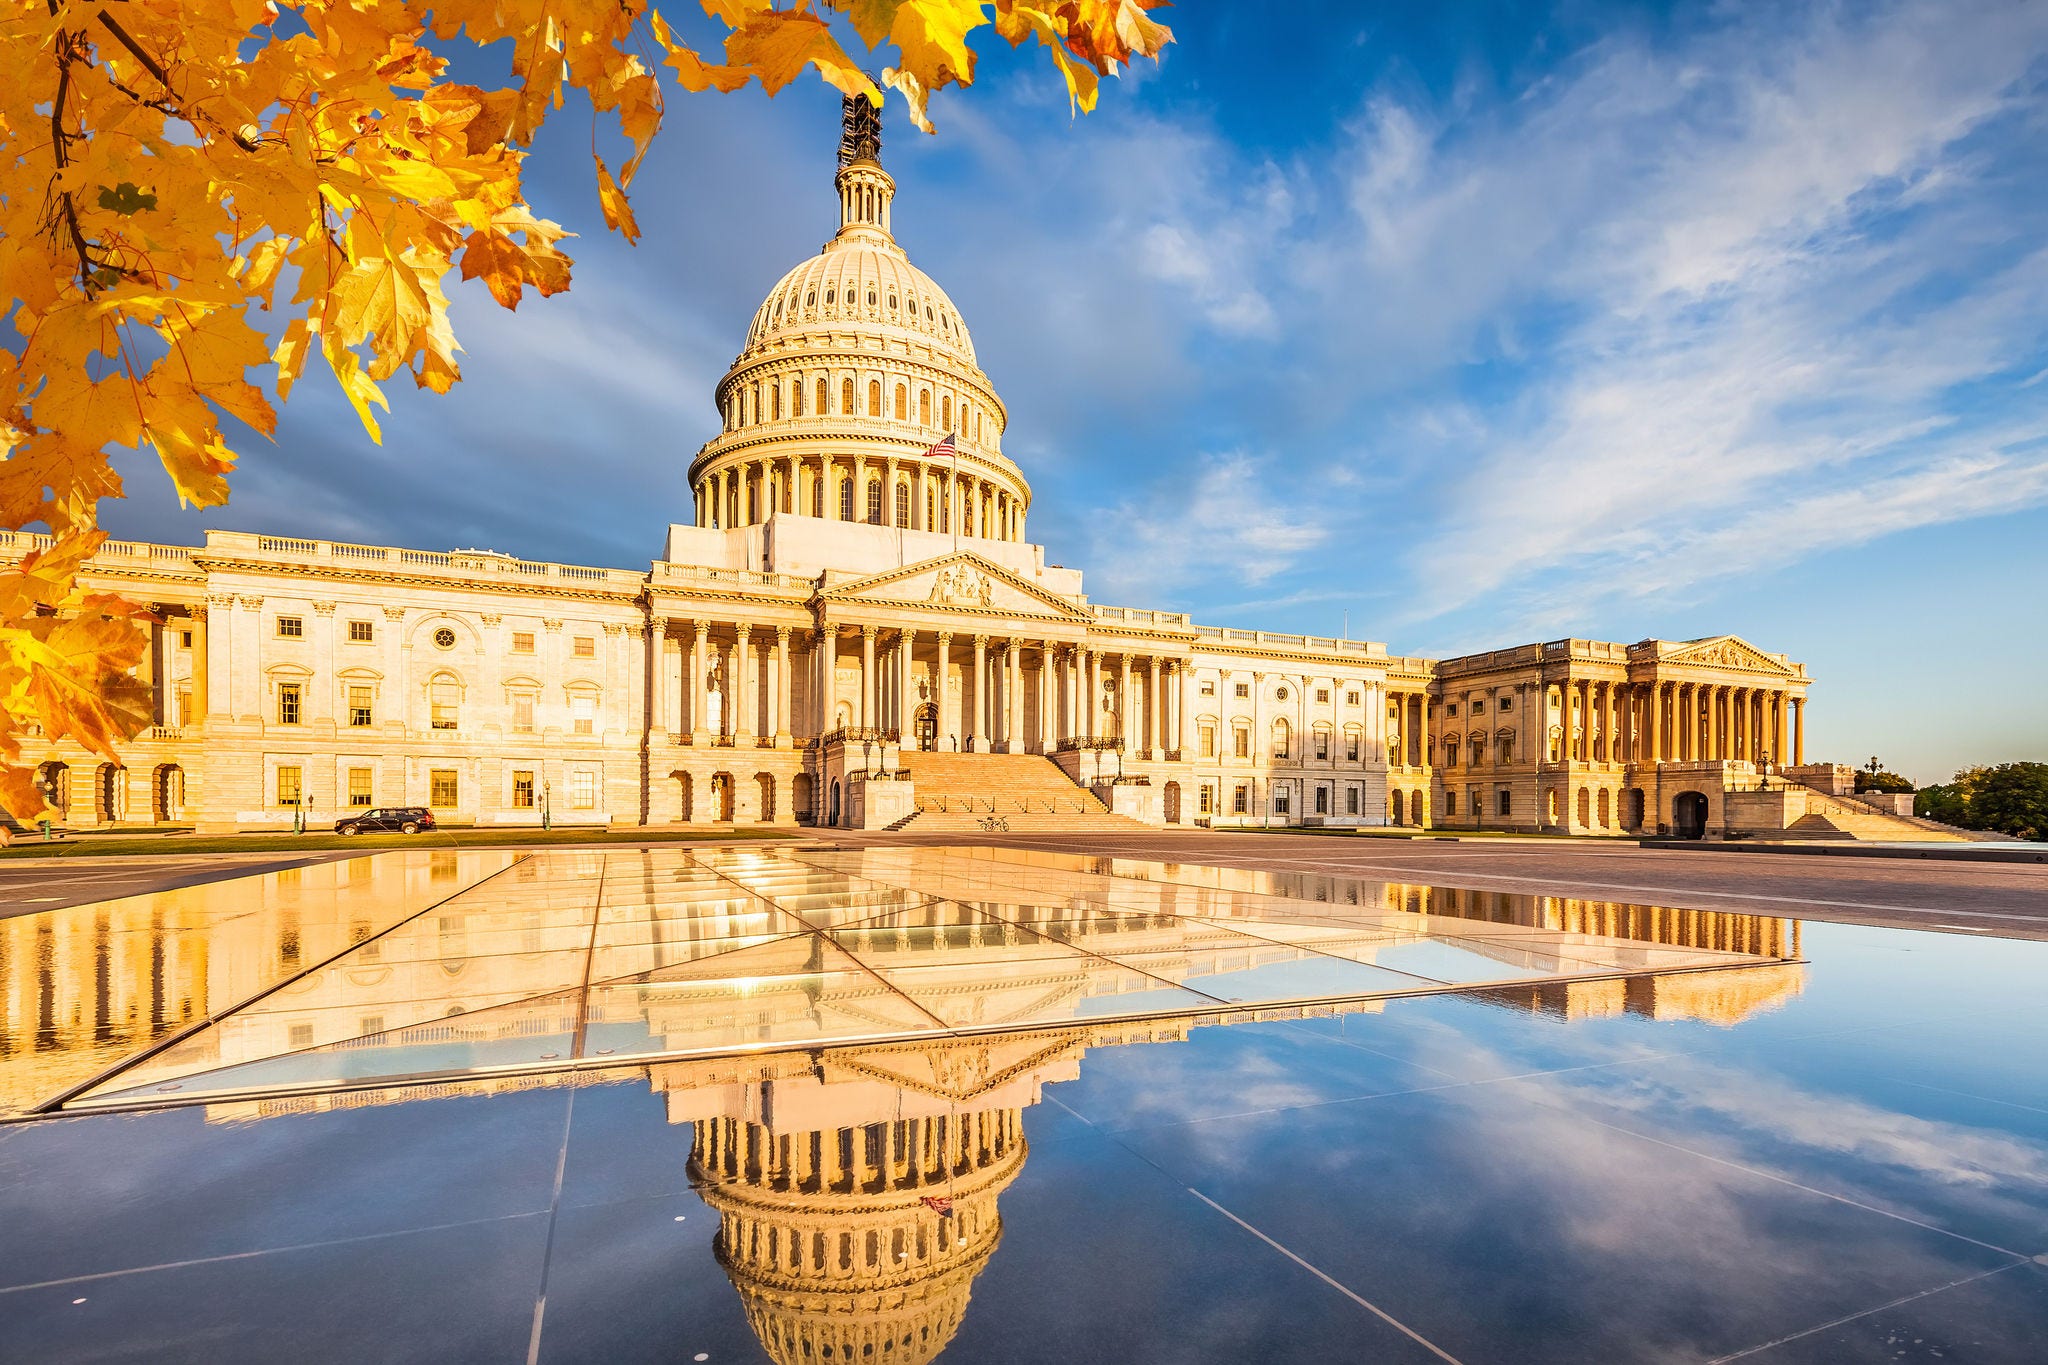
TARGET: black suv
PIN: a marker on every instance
(407, 819)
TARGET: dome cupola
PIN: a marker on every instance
(855, 366)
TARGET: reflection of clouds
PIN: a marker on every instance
(1769, 1106)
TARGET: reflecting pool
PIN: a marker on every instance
(814, 1104)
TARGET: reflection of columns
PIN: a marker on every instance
(782, 740)
(944, 725)
(867, 676)
(745, 697)
(700, 671)
(977, 736)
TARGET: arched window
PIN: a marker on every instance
(930, 505)
(903, 504)
(901, 404)
(892, 301)
(874, 502)
(831, 296)
(811, 299)
(924, 407)
(871, 296)
(824, 396)
(946, 413)
(1280, 739)
(796, 398)
(846, 498)
(846, 396)
(776, 389)
(753, 504)
(818, 496)
(874, 398)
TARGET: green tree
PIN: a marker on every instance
(2011, 798)
(1882, 780)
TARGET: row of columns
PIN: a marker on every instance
(746, 492)
(751, 671)
(1601, 721)
(996, 707)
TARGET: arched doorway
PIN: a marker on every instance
(110, 793)
(1171, 803)
(721, 797)
(1632, 808)
(806, 799)
(926, 727)
(686, 797)
(167, 793)
(832, 816)
(765, 782)
(1689, 815)
(53, 782)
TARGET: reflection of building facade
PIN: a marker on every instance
(843, 600)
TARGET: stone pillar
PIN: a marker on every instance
(828, 677)
(867, 669)
(906, 684)
(741, 684)
(1653, 706)
(782, 735)
(1152, 698)
(700, 668)
(1013, 697)
(1422, 734)
(1778, 728)
(941, 680)
(1044, 692)
(659, 722)
(1798, 731)
(977, 735)
(1091, 695)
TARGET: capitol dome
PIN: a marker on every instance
(855, 367)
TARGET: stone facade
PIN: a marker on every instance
(856, 581)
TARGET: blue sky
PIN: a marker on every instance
(1478, 324)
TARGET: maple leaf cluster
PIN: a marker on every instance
(173, 166)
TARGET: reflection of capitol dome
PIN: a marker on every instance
(831, 1241)
(855, 365)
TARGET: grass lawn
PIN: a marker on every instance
(115, 846)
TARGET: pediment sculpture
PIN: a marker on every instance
(962, 587)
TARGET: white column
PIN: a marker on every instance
(782, 739)
(1013, 696)
(941, 681)
(828, 676)
(978, 736)
(658, 719)
(700, 669)
(741, 684)
(867, 668)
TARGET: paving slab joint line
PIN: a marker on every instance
(1403, 1328)
(1853, 1317)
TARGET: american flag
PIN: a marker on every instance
(945, 449)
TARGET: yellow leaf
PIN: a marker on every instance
(776, 47)
(913, 93)
(695, 74)
(618, 214)
(932, 36)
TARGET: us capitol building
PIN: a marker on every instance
(855, 629)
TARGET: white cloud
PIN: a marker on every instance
(1226, 521)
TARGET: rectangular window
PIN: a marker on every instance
(1506, 802)
(583, 790)
(359, 708)
(1322, 744)
(583, 714)
(522, 715)
(1322, 800)
(361, 632)
(442, 787)
(1207, 804)
(185, 639)
(1281, 799)
(445, 699)
(288, 788)
(1241, 799)
(584, 647)
(288, 698)
(1506, 704)
(522, 788)
(1351, 699)
(1351, 800)
(1243, 741)
(299, 1036)
(184, 714)
(359, 787)
(1208, 689)
(1351, 745)
(1451, 710)
(522, 642)
(1450, 802)
(290, 627)
(1208, 739)
(372, 1023)
(1479, 706)
(1322, 694)
(1243, 689)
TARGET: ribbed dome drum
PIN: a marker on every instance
(855, 366)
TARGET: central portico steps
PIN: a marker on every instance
(1017, 792)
